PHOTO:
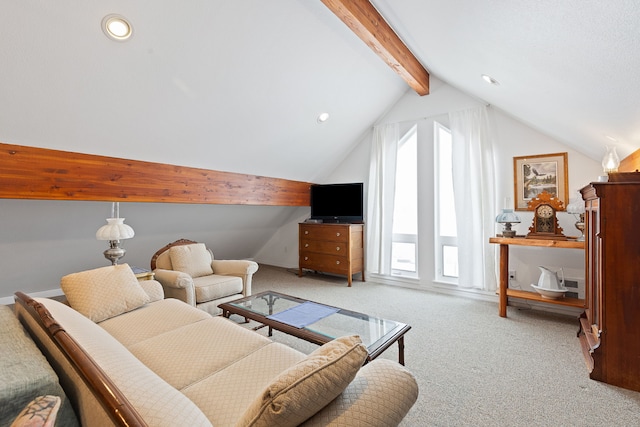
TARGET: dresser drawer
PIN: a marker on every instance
(328, 263)
(324, 247)
(334, 233)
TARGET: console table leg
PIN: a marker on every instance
(401, 350)
(504, 280)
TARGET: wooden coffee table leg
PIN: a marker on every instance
(401, 350)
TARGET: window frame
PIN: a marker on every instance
(440, 241)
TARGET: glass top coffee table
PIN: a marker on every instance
(266, 307)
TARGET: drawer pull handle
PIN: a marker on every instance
(337, 262)
(337, 248)
(337, 234)
(306, 231)
(306, 245)
(306, 258)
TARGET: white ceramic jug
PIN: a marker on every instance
(549, 279)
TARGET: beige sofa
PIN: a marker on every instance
(188, 271)
(126, 356)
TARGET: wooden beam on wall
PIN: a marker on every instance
(364, 20)
(44, 174)
(631, 163)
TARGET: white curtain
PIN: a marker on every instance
(474, 195)
(382, 176)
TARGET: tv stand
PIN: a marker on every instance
(332, 248)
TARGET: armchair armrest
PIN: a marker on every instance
(380, 395)
(240, 268)
(176, 284)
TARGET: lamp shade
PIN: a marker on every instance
(610, 161)
(507, 216)
(115, 229)
(576, 206)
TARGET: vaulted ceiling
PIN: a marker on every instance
(238, 85)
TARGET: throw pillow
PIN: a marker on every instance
(194, 259)
(308, 386)
(104, 292)
(40, 412)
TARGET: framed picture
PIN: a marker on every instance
(535, 174)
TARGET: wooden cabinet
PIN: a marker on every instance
(332, 248)
(610, 325)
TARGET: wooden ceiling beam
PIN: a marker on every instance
(365, 20)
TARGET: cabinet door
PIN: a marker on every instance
(598, 280)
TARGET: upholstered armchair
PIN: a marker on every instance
(188, 271)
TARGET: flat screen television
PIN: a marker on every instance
(337, 202)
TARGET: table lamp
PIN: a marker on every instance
(508, 217)
(576, 208)
(114, 231)
(610, 163)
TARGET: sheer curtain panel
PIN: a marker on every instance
(382, 175)
(474, 195)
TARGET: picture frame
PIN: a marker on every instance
(536, 173)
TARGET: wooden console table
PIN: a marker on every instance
(503, 289)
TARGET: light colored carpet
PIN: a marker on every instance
(473, 367)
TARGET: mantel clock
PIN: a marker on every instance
(545, 222)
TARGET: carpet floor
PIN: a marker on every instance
(472, 366)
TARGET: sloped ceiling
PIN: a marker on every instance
(568, 68)
(226, 85)
(237, 85)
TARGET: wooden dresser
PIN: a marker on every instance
(610, 326)
(332, 248)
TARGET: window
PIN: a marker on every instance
(404, 245)
(446, 239)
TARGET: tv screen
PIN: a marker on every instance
(337, 202)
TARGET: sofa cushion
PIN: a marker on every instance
(240, 383)
(104, 292)
(151, 320)
(305, 388)
(194, 259)
(209, 288)
(188, 354)
(157, 402)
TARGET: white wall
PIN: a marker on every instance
(513, 138)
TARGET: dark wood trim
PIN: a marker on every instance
(365, 20)
(45, 174)
(110, 397)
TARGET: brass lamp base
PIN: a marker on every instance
(580, 226)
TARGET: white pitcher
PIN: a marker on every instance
(549, 279)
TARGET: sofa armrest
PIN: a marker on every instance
(380, 395)
(153, 288)
(176, 284)
(240, 268)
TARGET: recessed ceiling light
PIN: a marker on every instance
(323, 117)
(117, 27)
(490, 80)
